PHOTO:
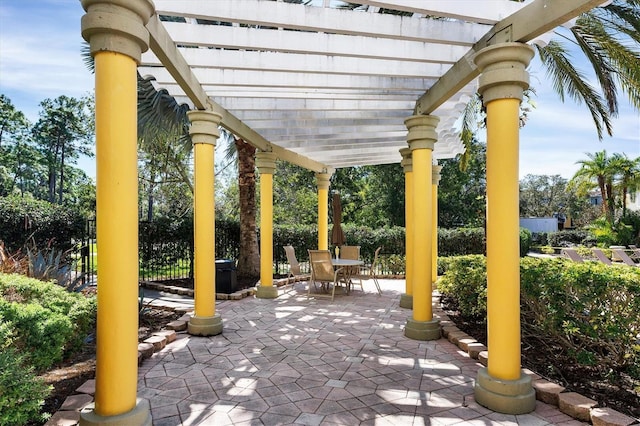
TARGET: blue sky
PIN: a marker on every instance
(40, 58)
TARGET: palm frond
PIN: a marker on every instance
(159, 113)
(87, 58)
(567, 80)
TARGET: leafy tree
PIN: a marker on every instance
(63, 132)
(544, 196)
(461, 194)
(382, 196)
(295, 199)
(17, 156)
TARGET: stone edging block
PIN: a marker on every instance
(571, 403)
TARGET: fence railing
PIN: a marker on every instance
(166, 256)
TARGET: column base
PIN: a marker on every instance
(205, 326)
(423, 330)
(267, 292)
(139, 416)
(505, 396)
(406, 301)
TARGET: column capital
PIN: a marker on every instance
(204, 126)
(435, 174)
(503, 70)
(407, 162)
(266, 162)
(322, 180)
(117, 26)
(422, 131)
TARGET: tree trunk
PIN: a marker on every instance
(249, 258)
(60, 190)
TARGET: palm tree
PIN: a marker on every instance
(628, 172)
(243, 154)
(597, 168)
(609, 38)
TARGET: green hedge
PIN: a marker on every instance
(42, 320)
(22, 393)
(592, 309)
(25, 221)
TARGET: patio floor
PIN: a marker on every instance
(292, 361)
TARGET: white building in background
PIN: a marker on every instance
(633, 200)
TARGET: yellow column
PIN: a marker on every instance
(117, 37)
(323, 210)
(406, 299)
(503, 387)
(422, 138)
(266, 163)
(435, 178)
(204, 134)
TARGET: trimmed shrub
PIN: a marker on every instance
(461, 241)
(466, 283)
(525, 241)
(22, 394)
(45, 321)
(590, 309)
(567, 238)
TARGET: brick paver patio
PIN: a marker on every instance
(292, 361)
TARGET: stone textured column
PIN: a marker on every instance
(422, 138)
(503, 387)
(204, 134)
(322, 180)
(406, 298)
(435, 178)
(266, 163)
(117, 37)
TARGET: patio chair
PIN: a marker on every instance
(295, 274)
(635, 252)
(322, 271)
(620, 254)
(572, 254)
(351, 252)
(601, 256)
(368, 272)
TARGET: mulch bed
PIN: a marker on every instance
(609, 388)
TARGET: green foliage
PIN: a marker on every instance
(607, 234)
(54, 265)
(394, 263)
(466, 282)
(544, 196)
(590, 309)
(46, 321)
(461, 194)
(453, 242)
(525, 241)
(567, 238)
(22, 394)
(26, 221)
(444, 263)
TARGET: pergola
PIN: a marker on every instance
(322, 87)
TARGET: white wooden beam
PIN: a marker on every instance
(326, 20)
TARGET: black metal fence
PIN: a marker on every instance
(166, 249)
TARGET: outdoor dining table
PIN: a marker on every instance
(349, 266)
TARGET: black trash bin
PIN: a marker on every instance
(226, 279)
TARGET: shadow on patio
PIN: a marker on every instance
(293, 361)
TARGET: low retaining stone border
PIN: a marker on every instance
(571, 403)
